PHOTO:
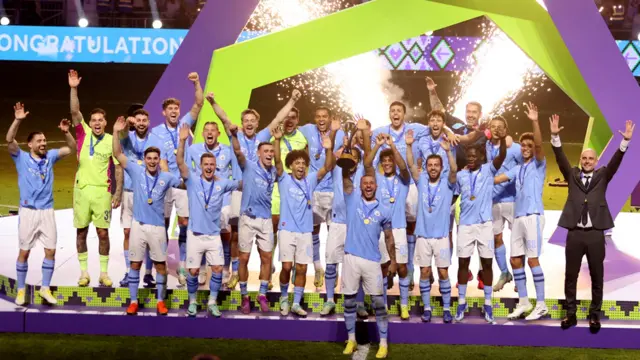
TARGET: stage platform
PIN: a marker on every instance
(272, 326)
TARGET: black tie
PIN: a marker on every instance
(585, 207)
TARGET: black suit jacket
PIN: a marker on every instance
(594, 197)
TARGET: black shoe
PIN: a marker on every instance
(568, 322)
(594, 323)
(149, 282)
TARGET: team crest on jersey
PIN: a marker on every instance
(222, 157)
(376, 213)
(161, 182)
(218, 188)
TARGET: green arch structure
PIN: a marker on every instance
(238, 69)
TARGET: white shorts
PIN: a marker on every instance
(143, 235)
(502, 212)
(477, 234)
(224, 218)
(179, 197)
(126, 210)
(429, 248)
(295, 247)
(335, 243)
(526, 236)
(355, 270)
(402, 247)
(208, 245)
(260, 229)
(322, 203)
(37, 225)
(411, 207)
(236, 201)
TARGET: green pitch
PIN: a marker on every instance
(32, 346)
(554, 197)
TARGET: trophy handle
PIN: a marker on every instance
(347, 160)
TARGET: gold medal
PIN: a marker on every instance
(150, 201)
(139, 162)
(206, 206)
(366, 221)
(392, 200)
(473, 197)
(42, 176)
(175, 151)
(317, 156)
(430, 209)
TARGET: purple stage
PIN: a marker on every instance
(233, 325)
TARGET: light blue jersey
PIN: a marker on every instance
(427, 147)
(398, 137)
(529, 182)
(505, 192)
(318, 155)
(149, 192)
(434, 207)
(257, 188)
(249, 148)
(479, 185)
(365, 223)
(133, 148)
(170, 139)
(395, 188)
(35, 179)
(339, 206)
(296, 198)
(205, 202)
(224, 162)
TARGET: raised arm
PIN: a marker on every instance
(74, 81)
(413, 168)
(232, 132)
(502, 153)
(19, 115)
(217, 109)
(328, 142)
(453, 166)
(117, 148)
(282, 114)
(532, 114)
(561, 158)
(184, 134)
(616, 159)
(277, 135)
(402, 166)
(434, 100)
(369, 157)
(347, 182)
(70, 148)
(199, 101)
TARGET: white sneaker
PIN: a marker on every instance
(520, 310)
(46, 295)
(540, 311)
(284, 306)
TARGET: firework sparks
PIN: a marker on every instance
(359, 84)
(499, 73)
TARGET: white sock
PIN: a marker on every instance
(352, 337)
(383, 342)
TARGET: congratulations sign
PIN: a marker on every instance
(74, 44)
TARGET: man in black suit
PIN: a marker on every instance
(586, 216)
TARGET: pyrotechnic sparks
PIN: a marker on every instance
(499, 73)
(356, 85)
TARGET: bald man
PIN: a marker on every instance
(586, 216)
